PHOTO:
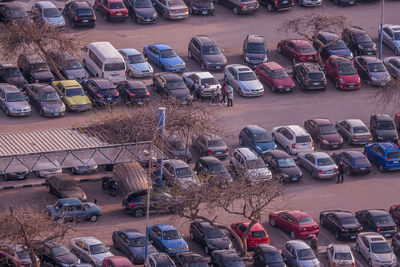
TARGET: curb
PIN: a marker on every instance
(17, 186)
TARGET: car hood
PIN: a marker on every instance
(349, 78)
(340, 52)
(55, 21)
(141, 250)
(292, 171)
(100, 257)
(177, 243)
(253, 84)
(309, 263)
(93, 207)
(68, 259)
(18, 81)
(220, 243)
(52, 104)
(266, 146)
(284, 82)
(367, 45)
(18, 105)
(215, 59)
(42, 75)
(386, 133)
(141, 66)
(252, 56)
(386, 257)
(380, 75)
(76, 74)
(78, 193)
(145, 12)
(260, 173)
(172, 61)
(78, 99)
(332, 138)
(181, 93)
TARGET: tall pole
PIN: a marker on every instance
(381, 29)
(161, 126)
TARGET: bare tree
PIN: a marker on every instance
(308, 27)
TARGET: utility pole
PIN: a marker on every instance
(381, 29)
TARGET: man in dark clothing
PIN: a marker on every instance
(340, 174)
(314, 244)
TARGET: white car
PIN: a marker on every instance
(205, 80)
(247, 163)
(243, 80)
(90, 250)
(48, 168)
(293, 139)
(375, 250)
(340, 255)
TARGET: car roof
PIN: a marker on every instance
(299, 42)
(328, 35)
(9, 88)
(45, 4)
(205, 40)
(321, 122)
(279, 154)
(247, 153)
(369, 59)
(372, 236)
(129, 51)
(239, 67)
(136, 84)
(161, 46)
(267, 248)
(341, 248)
(383, 117)
(226, 253)
(204, 75)
(7, 64)
(69, 201)
(103, 83)
(273, 65)
(34, 58)
(164, 226)
(356, 29)
(82, 4)
(120, 260)
(115, 1)
(41, 87)
(298, 244)
(62, 54)
(69, 83)
(62, 176)
(161, 257)
(207, 225)
(253, 38)
(255, 227)
(343, 214)
(177, 163)
(297, 129)
(388, 147)
(256, 129)
(89, 240)
(320, 155)
(297, 213)
(169, 76)
(355, 122)
(210, 137)
(355, 154)
(339, 59)
(311, 66)
(394, 27)
(377, 212)
(211, 160)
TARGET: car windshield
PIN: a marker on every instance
(215, 233)
(305, 254)
(171, 235)
(114, 66)
(376, 67)
(306, 49)
(168, 53)
(383, 219)
(303, 139)
(346, 69)
(380, 248)
(304, 220)
(15, 97)
(325, 162)
(273, 257)
(175, 84)
(210, 50)
(339, 44)
(394, 155)
(72, 64)
(279, 74)
(138, 242)
(98, 249)
(315, 75)
(343, 256)
(142, 4)
(18, 13)
(51, 13)
(361, 161)
(348, 220)
(360, 129)
(60, 251)
(10, 72)
(216, 168)
(49, 96)
(396, 35)
(38, 67)
(286, 163)
(84, 12)
(215, 143)
(184, 172)
(384, 125)
(253, 48)
(136, 59)
(247, 76)
(69, 185)
(209, 81)
(23, 254)
(263, 138)
(255, 164)
(363, 38)
(327, 129)
(74, 92)
(258, 234)
(117, 5)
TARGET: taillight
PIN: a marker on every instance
(320, 171)
(76, 18)
(353, 264)
(242, 6)
(227, 150)
(378, 229)
(209, 151)
(354, 137)
(131, 204)
(116, 95)
(99, 95)
(388, 159)
(370, 137)
(293, 145)
(148, 94)
(132, 95)
(276, 2)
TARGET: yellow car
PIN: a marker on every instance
(71, 92)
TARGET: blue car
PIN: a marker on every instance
(354, 162)
(72, 209)
(132, 243)
(164, 56)
(256, 138)
(338, 48)
(167, 239)
(386, 156)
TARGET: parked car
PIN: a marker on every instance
(210, 145)
(45, 99)
(201, 83)
(9, 73)
(240, 6)
(34, 68)
(68, 65)
(319, 164)
(275, 76)
(378, 221)
(159, 259)
(298, 50)
(344, 2)
(342, 72)
(324, 133)
(391, 37)
(393, 66)
(354, 162)
(137, 66)
(396, 244)
(132, 243)
(214, 169)
(342, 223)
(72, 209)
(200, 7)
(395, 212)
(64, 186)
(243, 80)
(188, 259)
(89, 166)
(13, 101)
(375, 250)
(309, 76)
(340, 255)
(295, 222)
(177, 173)
(167, 239)
(282, 166)
(171, 85)
(47, 168)
(16, 172)
(164, 56)
(175, 9)
(101, 92)
(279, 5)
(15, 255)
(226, 258)
(45, 12)
(111, 9)
(254, 51)
(208, 236)
(354, 131)
(55, 254)
(249, 166)
(298, 253)
(90, 250)
(79, 13)
(372, 70)
(176, 148)
(116, 261)
(257, 234)
(293, 139)
(386, 156)
(382, 128)
(313, 3)
(358, 41)
(335, 46)
(13, 13)
(267, 255)
(133, 92)
(256, 138)
(71, 92)
(205, 50)
(142, 11)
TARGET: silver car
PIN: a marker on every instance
(393, 66)
(47, 13)
(243, 80)
(12, 101)
(340, 255)
(375, 250)
(172, 9)
(354, 131)
(391, 37)
(319, 164)
(89, 167)
(90, 250)
(178, 172)
(249, 165)
(47, 168)
(136, 64)
(298, 253)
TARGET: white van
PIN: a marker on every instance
(104, 61)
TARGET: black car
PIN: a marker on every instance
(55, 254)
(310, 76)
(213, 168)
(383, 128)
(282, 165)
(171, 85)
(342, 223)
(396, 244)
(68, 65)
(13, 13)
(10, 74)
(205, 50)
(267, 255)
(133, 92)
(254, 50)
(200, 7)
(378, 221)
(79, 13)
(208, 236)
(101, 92)
(226, 258)
(34, 68)
(358, 41)
(141, 11)
(277, 5)
(189, 259)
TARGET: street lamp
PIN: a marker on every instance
(381, 29)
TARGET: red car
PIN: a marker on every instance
(297, 223)
(324, 133)
(117, 261)
(298, 50)
(395, 212)
(112, 9)
(342, 72)
(257, 234)
(273, 75)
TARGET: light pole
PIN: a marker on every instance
(381, 29)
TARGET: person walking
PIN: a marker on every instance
(229, 94)
(223, 93)
(217, 95)
(341, 173)
(213, 95)
(314, 244)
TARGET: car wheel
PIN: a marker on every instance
(93, 218)
(240, 141)
(288, 150)
(206, 250)
(203, 66)
(337, 236)
(348, 141)
(132, 259)
(190, 54)
(190, 10)
(292, 235)
(240, 92)
(294, 60)
(370, 263)
(225, 78)
(357, 248)
(105, 16)
(272, 222)
(236, 10)
(381, 169)
(273, 136)
(397, 52)
(279, 49)
(313, 174)
(273, 89)
(270, 8)
(41, 112)
(191, 236)
(349, 172)
(138, 213)
(7, 112)
(127, 102)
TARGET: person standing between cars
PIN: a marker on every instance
(213, 95)
(341, 173)
(229, 93)
(314, 244)
(223, 93)
(196, 88)
(217, 95)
